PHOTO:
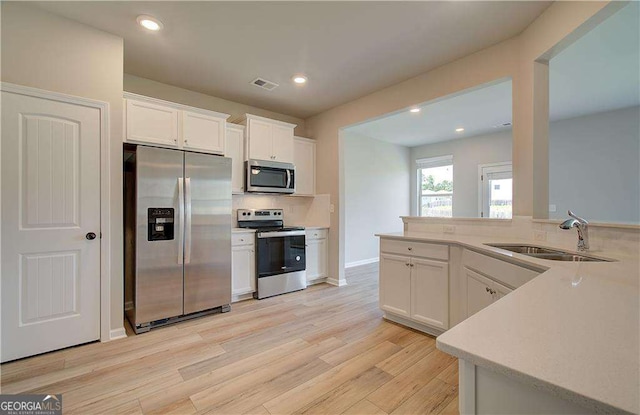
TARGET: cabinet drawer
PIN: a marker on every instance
(509, 274)
(422, 249)
(316, 234)
(242, 238)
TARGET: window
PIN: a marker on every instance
(435, 187)
(496, 196)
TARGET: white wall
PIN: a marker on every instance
(514, 58)
(467, 153)
(376, 193)
(45, 51)
(594, 166)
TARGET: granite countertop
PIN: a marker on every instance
(572, 331)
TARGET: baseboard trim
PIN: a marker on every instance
(118, 333)
(337, 283)
(317, 281)
(413, 324)
(361, 262)
(241, 297)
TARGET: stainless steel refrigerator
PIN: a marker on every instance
(177, 211)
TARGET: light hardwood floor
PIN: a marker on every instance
(324, 350)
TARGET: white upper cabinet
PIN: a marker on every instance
(151, 123)
(203, 132)
(268, 139)
(304, 158)
(234, 149)
(260, 142)
(167, 124)
(282, 143)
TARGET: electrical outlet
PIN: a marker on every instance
(539, 235)
(449, 229)
(552, 208)
(332, 208)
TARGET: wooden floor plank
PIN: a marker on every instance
(213, 396)
(407, 383)
(325, 349)
(408, 356)
(430, 399)
(307, 392)
(348, 393)
(364, 407)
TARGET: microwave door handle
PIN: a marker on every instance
(288, 179)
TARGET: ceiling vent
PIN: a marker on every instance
(264, 84)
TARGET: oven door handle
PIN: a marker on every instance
(262, 235)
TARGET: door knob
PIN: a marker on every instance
(90, 236)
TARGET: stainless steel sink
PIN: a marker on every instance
(546, 253)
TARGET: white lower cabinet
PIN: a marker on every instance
(243, 266)
(395, 284)
(317, 255)
(481, 291)
(414, 288)
(430, 292)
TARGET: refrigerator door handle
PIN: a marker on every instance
(187, 230)
(181, 219)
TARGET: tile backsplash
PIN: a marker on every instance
(298, 210)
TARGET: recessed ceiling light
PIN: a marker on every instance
(299, 79)
(459, 130)
(414, 110)
(149, 22)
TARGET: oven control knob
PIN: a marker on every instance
(298, 258)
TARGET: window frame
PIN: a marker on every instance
(428, 163)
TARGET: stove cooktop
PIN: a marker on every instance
(279, 229)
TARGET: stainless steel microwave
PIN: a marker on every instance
(270, 177)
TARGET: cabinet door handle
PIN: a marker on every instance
(407, 264)
(411, 265)
(410, 249)
(490, 291)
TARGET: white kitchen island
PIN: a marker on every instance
(567, 341)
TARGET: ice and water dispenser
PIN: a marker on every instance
(160, 224)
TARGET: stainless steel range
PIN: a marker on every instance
(280, 252)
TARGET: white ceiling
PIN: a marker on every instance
(347, 49)
(480, 111)
(599, 72)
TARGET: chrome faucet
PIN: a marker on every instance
(583, 230)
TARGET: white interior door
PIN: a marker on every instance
(496, 191)
(50, 209)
